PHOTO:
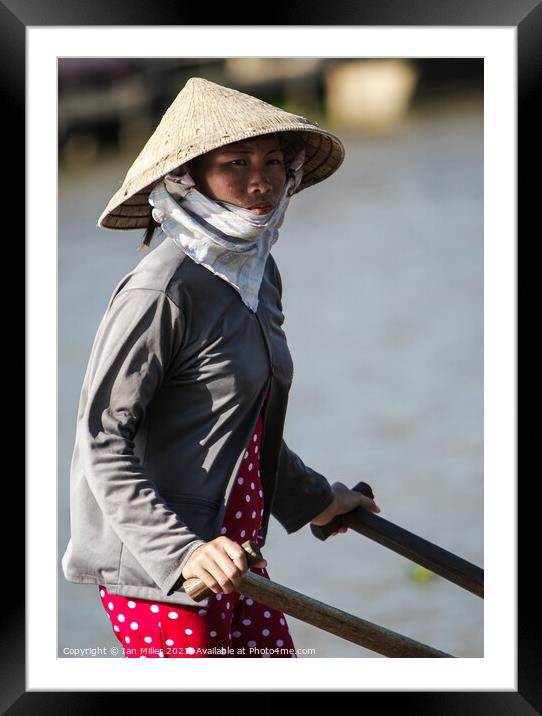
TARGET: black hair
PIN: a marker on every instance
(149, 233)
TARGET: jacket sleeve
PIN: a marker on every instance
(135, 343)
(301, 493)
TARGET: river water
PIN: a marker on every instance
(382, 269)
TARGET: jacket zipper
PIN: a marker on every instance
(238, 463)
(269, 388)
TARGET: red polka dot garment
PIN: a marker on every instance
(232, 625)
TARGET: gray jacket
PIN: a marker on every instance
(176, 378)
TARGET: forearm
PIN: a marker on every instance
(301, 492)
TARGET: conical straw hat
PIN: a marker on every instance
(204, 116)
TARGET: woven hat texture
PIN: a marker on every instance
(203, 117)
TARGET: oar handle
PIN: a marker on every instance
(322, 532)
(198, 590)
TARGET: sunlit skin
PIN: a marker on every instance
(249, 173)
(345, 500)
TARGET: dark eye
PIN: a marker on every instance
(244, 160)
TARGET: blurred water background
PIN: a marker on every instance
(382, 269)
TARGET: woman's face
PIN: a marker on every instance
(250, 173)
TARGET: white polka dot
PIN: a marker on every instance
(256, 449)
(202, 612)
(134, 626)
(173, 615)
(267, 614)
(279, 642)
(250, 466)
(243, 533)
(148, 639)
(255, 437)
(218, 596)
(159, 624)
(212, 633)
(250, 602)
(252, 643)
(102, 593)
(127, 639)
(261, 512)
(227, 605)
(111, 605)
(155, 608)
(190, 650)
(188, 631)
(241, 597)
(252, 485)
(241, 480)
(259, 476)
(253, 514)
(282, 622)
(236, 634)
(247, 498)
(116, 628)
(222, 615)
(247, 622)
(246, 454)
(131, 604)
(121, 617)
(265, 632)
(238, 515)
(223, 530)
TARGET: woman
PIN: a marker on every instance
(179, 455)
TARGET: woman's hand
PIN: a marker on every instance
(345, 500)
(220, 564)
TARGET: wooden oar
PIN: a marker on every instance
(349, 627)
(429, 555)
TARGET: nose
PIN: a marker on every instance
(259, 180)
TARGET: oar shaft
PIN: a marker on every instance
(419, 550)
(316, 613)
(347, 626)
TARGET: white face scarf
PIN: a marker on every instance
(230, 241)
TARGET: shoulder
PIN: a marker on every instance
(158, 272)
(168, 270)
(158, 268)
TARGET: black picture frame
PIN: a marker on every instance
(526, 16)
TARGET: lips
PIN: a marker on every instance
(261, 207)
